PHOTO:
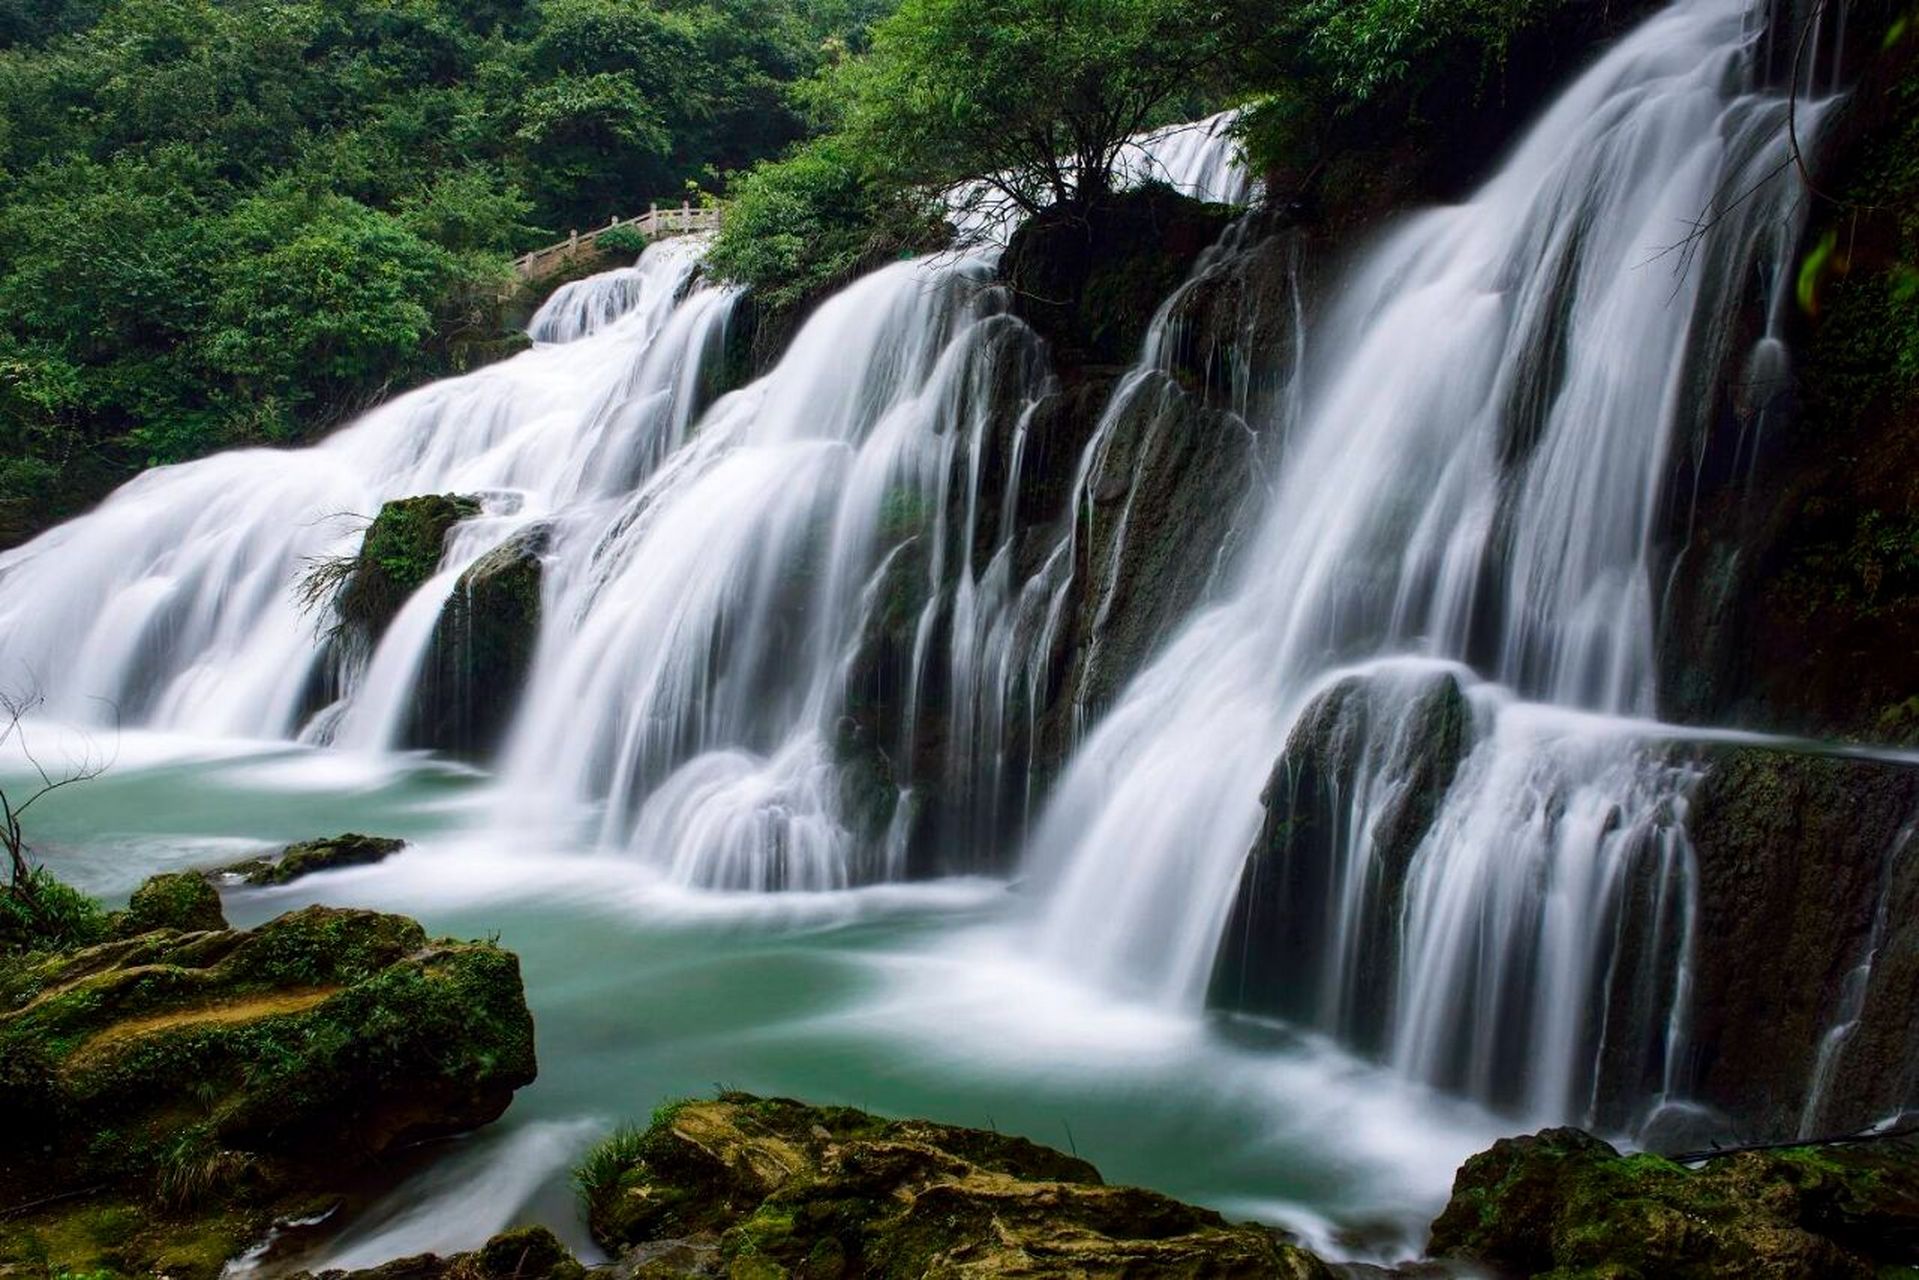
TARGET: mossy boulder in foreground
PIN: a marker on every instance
(1562, 1203)
(750, 1186)
(200, 1083)
(309, 856)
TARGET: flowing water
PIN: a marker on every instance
(1475, 476)
(1464, 471)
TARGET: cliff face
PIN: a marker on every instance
(1793, 528)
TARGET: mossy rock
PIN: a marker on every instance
(179, 900)
(789, 1189)
(481, 651)
(309, 856)
(1563, 1203)
(401, 550)
(526, 1253)
(1090, 281)
(247, 1062)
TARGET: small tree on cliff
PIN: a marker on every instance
(1031, 99)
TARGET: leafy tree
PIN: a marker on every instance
(1035, 99)
(797, 227)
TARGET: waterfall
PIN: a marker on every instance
(787, 632)
(1488, 410)
(173, 605)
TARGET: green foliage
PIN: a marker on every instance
(622, 241)
(50, 917)
(235, 222)
(597, 1177)
(799, 226)
(1033, 98)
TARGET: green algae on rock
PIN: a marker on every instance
(401, 550)
(348, 850)
(206, 1082)
(1562, 1203)
(781, 1188)
(179, 900)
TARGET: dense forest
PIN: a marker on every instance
(237, 222)
(228, 223)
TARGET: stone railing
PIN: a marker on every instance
(655, 224)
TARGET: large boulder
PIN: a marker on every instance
(207, 1082)
(482, 650)
(179, 900)
(1564, 1203)
(775, 1187)
(402, 548)
(1348, 803)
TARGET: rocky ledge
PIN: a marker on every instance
(309, 856)
(1562, 1203)
(169, 1093)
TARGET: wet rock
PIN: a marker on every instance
(1388, 744)
(1562, 1202)
(309, 856)
(482, 651)
(1166, 492)
(1234, 337)
(401, 550)
(181, 900)
(1806, 863)
(787, 1189)
(205, 1081)
(1090, 282)
(1794, 520)
(527, 1253)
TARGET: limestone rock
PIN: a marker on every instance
(309, 856)
(789, 1189)
(1562, 1202)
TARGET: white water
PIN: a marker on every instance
(1473, 454)
(1488, 415)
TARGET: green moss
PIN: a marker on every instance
(182, 900)
(309, 856)
(323, 1036)
(1565, 1204)
(780, 1187)
(401, 550)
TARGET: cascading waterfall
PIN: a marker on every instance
(708, 571)
(1467, 467)
(177, 595)
(1475, 477)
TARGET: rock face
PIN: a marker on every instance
(746, 1186)
(401, 550)
(1564, 1203)
(1793, 527)
(1373, 754)
(481, 651)
(1808, 871)
(309, 856)
(1089, 282)
(181, 900)
(205, 1080)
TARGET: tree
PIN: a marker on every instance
(36, 909)
(1032, 99)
